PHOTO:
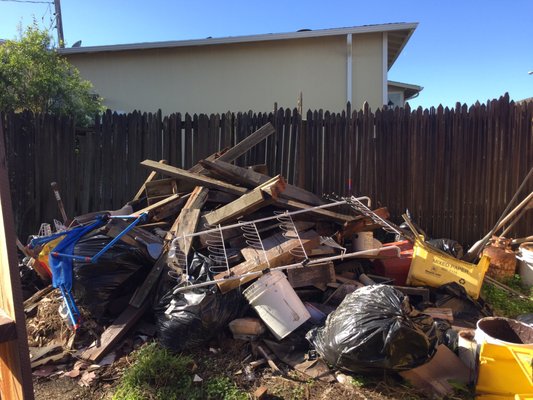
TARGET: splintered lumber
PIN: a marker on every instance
(308, 276)
(260, 197)
(149, 179)
(276, 256)
(319, 213)
(115, 332)
(250, 178)
(193, 178)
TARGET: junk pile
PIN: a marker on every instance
(226, 248)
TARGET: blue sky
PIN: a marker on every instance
(462, 51)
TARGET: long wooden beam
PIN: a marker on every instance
(196, 179)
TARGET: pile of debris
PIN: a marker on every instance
(303, 278)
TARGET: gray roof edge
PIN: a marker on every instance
(405, 85)
(244, 39)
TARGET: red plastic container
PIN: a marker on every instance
(396, 268)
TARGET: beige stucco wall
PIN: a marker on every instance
(237, 77)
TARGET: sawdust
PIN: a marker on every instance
(47, 326)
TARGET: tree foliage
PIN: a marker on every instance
(34, 76)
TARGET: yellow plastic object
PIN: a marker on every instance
(505, 372)
(45, 252)
(433, 267)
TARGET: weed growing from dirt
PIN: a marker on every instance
(505, 304)
(157, 374)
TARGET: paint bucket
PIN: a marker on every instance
(276, 302)
(525, 262)
(505, 356)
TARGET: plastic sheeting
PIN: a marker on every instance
(375, 328)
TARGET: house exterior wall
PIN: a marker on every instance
(239, 76)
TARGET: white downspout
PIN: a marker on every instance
(349, 68)
(385, 56)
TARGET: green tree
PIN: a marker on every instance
(34, 76)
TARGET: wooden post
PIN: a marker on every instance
(15, 371)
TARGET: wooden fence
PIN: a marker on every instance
(454, 169)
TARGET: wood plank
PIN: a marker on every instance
(15, 370)
(196, 200)
(321, 214)
(247, 143)
(193, 178)
(250, 178)
(311, 275)
(143, 291)
(277, 256)
(248, 203)
(115, 332)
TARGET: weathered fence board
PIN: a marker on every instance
(455, 169)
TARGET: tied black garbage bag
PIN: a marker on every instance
(100, 287)
(375, 328)
(465, 309)
(189, 319)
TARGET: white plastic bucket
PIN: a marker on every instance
(525, 262)
(277, 304)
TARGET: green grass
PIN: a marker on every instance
(506, 304)
(157, 374)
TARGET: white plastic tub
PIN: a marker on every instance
(277, 304)
(525, 262)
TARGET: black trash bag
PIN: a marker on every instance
(449, 246)
(375, 328)
(465, 309)
(115, 276)
(189, 319)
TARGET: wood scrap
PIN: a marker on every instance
(308, 276)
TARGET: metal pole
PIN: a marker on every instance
(59, 24)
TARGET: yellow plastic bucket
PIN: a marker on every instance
(433, 267)
(505, 359)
